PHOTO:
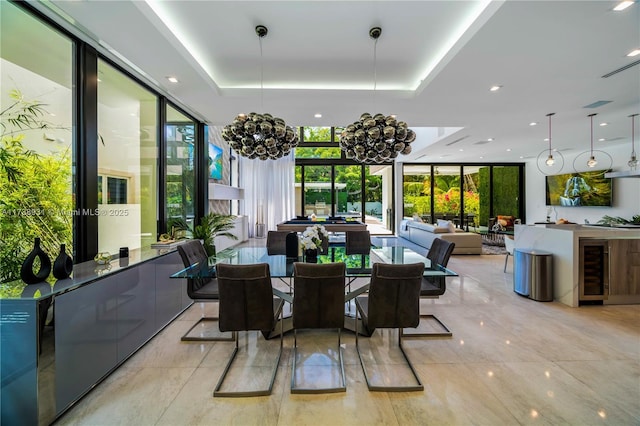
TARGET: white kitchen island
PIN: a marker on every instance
(586, 257)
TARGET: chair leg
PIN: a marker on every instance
(296, 389)
(187, 338)
(445, 333)
(505, 262)
(238, 394)
(417, 387)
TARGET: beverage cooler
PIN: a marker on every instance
(594, 270)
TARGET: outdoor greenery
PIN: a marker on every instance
(35, 199)
(446, 196)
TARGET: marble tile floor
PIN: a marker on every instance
(510, 361)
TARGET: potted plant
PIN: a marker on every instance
(211, 226)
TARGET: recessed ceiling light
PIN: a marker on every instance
(601, 140)
(481, 156)
(623, 5)
(521, 156)
(461, 150)
(603, 124)
(318, 115)
(495, 88)
(508, 149)
(634, 52)
(533, 123)
(546, 139)
(172, 79)
(490, 139)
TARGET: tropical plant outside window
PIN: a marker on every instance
(476, 190)
(36, 178)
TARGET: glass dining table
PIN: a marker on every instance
(281, 266)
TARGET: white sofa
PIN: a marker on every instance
(423, 234)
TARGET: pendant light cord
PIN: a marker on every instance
(591, 117)
(633, 134)
(549, 115)
(261, 76)
(375, 71)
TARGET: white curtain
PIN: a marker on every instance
(269, 193)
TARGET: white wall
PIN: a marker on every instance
(626, 191)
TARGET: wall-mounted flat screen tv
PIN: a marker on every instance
(583, 189)
(215, 162)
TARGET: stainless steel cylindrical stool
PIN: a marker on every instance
(533, 274)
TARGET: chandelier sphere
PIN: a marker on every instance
(376, 139)
(260, 136)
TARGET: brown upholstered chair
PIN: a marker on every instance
(277, 242)
(318, 302)
(199, 289)
(357, 242)
(283, 243)
(393, 302)
(435, 286)
(247, 303)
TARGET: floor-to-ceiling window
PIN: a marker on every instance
(329, 184)
(37, 147)
(471, 197)
(180, 166)
(466, 194)
(127, 161)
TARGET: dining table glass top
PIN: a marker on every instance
(357, 265)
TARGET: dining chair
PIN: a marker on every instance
(283, 243)
(393, 301)
(277, 243)
(199, 289)
(247, 303)
(318, 303)
(356, 242)
(432, 287)
(509, 245)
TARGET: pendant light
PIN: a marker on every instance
(592, 162)
(376, 138)
(633, 162)
(260, 136)
(550, 161)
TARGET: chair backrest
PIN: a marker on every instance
(277, 242)
(440, 251)
(394, 295)
(318, 295)
(509, 244)
(193, 252)
(357, 242)
(246, 298)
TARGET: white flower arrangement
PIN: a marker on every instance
(311, 237)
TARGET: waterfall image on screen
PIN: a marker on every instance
(215, 162)
(579, 189)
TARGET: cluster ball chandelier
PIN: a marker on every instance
(377, 138)
(260, 136)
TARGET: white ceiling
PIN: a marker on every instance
(549, 56)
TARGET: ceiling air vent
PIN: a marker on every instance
(480, 142)
(597, 104)
(632, 64)
(457, 140)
